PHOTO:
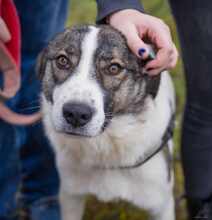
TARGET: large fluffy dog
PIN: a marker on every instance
(106, 121)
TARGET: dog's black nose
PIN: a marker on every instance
(77, 114)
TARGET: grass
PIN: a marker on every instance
(84, 11)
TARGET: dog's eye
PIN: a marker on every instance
(63, 62)
(115, 68)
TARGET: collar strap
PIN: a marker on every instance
(149, 155)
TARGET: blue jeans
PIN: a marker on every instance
(27, 170)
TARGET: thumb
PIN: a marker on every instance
(136, 44)
(4, 32)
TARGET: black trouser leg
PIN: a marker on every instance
(194, 22)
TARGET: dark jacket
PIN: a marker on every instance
(106, 7)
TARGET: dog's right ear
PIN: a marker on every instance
(41, 64)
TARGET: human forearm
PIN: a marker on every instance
(107, 7)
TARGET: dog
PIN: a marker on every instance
(107, 121)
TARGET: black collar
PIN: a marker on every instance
(142, 160)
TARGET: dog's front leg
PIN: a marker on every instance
(71, 206)
(167, 212)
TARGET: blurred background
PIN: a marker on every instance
(84, 11)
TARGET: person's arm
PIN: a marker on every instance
(127, 16)
(107, 7)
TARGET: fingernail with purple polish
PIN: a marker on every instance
(141, 51)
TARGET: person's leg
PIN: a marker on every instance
(40, 21)
(10, 140)
(39, 179)
(194, 19)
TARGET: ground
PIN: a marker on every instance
(84, 11)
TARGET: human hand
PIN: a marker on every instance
(139, 28)
(4, 32)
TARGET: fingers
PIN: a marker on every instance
(166, 54)
(4, 32)
(128, 28)
(138, 27)
(174, 57)
(165, 59)
(161, 62)
(135, 43)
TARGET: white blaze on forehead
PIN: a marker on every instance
(81, 87)
(88, 48)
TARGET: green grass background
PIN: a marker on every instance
(84, 11)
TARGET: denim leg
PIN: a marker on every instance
(40, 21)
(40, 183)
(10, 141)
(193, 19)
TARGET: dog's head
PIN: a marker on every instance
(89, 76)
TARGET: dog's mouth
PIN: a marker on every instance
(83, 132)
(74, 134)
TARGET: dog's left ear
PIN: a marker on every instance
(152, 82)
(41, 64)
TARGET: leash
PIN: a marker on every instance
(10, 66)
